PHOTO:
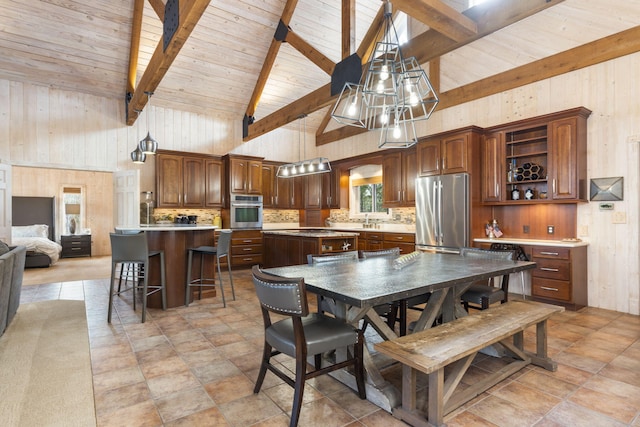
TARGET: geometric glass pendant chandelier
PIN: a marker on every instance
(393, 93)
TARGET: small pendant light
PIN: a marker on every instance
(148, 145)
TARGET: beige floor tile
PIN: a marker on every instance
(197, 366)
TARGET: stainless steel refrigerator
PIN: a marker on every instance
(442, 212)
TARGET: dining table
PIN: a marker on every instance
(353, 288)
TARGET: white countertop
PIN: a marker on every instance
(344, 226)
(534, 242)
(167, 227)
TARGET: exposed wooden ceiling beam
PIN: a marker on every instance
(440, 17)
(602, 50)
(310, 52)
(489, 17)
(189, 15)
(348, 27)
(270, 59)
(158, 7)
(605, 49)
(134, 48)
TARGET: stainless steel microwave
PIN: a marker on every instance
(246, 211)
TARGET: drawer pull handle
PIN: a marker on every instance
(549, 269)
(549, 253)
(549, 289)
(247, 249)
(247, 259)
(247, 241)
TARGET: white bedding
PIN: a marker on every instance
(40, 244)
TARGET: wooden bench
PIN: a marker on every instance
(456, 343)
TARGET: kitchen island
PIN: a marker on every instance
(174, 240)
(290, 247)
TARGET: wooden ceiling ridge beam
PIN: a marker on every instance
(189, 14)
(134, 48)
(605, 49)
(440, 17)
(269, 60)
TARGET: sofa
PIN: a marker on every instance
(11, 272)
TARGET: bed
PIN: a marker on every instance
(33, 220)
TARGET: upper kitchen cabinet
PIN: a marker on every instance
(245, 174)
(399, 172)
(214, 184)
(537, 160)
(448, 152)
(269, 190)
(331, 188)
(188, 180)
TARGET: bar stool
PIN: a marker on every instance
(219, 251)
(133, 248)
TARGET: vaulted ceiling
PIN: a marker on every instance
(224, 60)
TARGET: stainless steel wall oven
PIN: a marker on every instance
(246, 211)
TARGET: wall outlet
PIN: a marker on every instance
(583, 230)
(525, 229)
(619, 217)
(551, 229)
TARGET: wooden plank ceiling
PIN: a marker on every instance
(224, 60)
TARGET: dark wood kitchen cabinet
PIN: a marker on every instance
(560, 276)
(269, 189)
(245, 174)
(448, 152)
(246, 248)
(214, 184)
(399, 172)
(188, 180)
(545, 154)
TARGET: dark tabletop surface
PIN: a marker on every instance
(375, 281)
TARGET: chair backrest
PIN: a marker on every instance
(224, 243)
(489, 254)
(129, 247)
(279, 294)
(332, 257)
(391, 252)
(520, 254)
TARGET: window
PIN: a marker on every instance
(366, 192)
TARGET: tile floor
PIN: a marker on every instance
(196, 366)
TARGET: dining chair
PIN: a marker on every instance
(133, 248)
(221, 250)
(301, 334)
(520, 255)
(391, 252)
(332, 257)
(482, 295)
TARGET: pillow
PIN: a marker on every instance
(37, 230)
(4, 248)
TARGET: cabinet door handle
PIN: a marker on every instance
(549, 269)
(553, 185)
(444, 163)
(549, 253)
(549, 289)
